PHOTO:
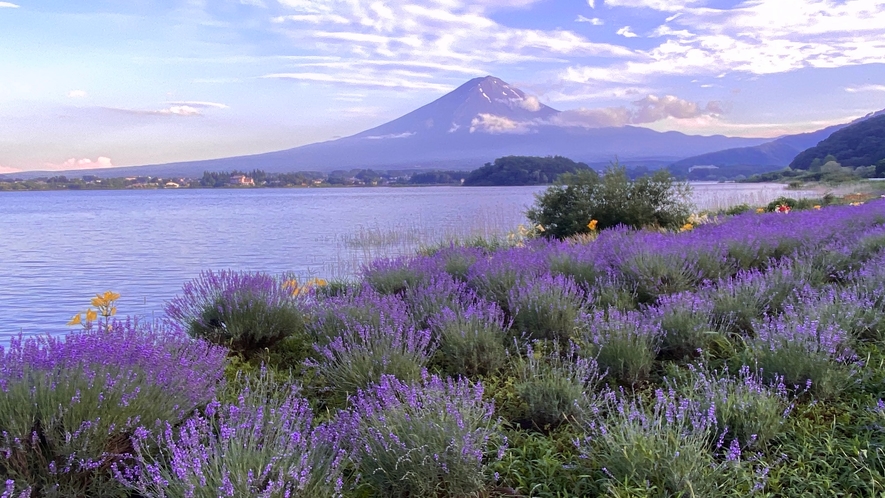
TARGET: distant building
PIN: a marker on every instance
(171, 185)
(241, 180)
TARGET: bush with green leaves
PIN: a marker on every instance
(266, 444)
(660, 447)
(68, 407)
(431, 438)
(546, 308)
(471, 341)
(555, 387)
(623, 343)
(243, 311)
(611, 199)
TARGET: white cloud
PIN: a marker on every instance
(755, 38)
(8, 5)
(172, 110)
(86, 163)
(437, 38)
(661, 5)
(594, 21)
(361, 80)
(490, 123)
(198, 104)
(626, 33)
(254, 3)
(77, 94)
(392, 135)
(591, 3)
(530, 103)
(865, 88)
(646, 110)
(7, 170)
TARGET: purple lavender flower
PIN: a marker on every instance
(432, 438)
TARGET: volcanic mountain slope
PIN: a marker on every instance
(477, 122)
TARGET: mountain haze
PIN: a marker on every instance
(483, 119)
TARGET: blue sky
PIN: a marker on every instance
(131, 82)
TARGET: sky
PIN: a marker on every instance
(101, 83)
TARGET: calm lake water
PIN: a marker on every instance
(58, 249)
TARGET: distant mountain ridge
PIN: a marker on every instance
(481, 120)
(859, 144)
(777, 153)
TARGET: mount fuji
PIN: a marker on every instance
(481, 120)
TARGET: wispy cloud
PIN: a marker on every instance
(754, 38)
(365, 80)
(8, 5)
(591, 20)
(865, 88)
(436, 38)
(7, 170)
(172, 110)
(198, 104)
(77, 94)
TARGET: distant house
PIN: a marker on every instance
(241, 180)
(171, 185)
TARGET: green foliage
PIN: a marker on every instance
(469, 345)
(611, 199)
(522, 170)
(555, 388)
(860, 144)
(546, 308)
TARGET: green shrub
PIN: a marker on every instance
(567, 208)
(471, 342)
(555, 388)
(624, 344)
(546, 308)
(245, 312)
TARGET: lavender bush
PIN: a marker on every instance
(660, 447)
(547, 307)
(369, 336)
(471, 342)
(747, 408)
(624, 344)
(805, 353)
(68, 407)
(243, 311)
(265, 444)
(685, 325)
(555, 388)
(433, 438)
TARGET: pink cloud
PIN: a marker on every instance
(6, 170)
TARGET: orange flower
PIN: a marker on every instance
(592, 224)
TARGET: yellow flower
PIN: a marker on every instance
(540, 228)
(686, 227)
(113, 311)
(76, 320)
(592, 224)
(91, 315)
(760, 210)
(817, 206)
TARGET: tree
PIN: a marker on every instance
(611, 199)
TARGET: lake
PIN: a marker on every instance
(59, 248)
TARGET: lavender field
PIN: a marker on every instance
(742, 356)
